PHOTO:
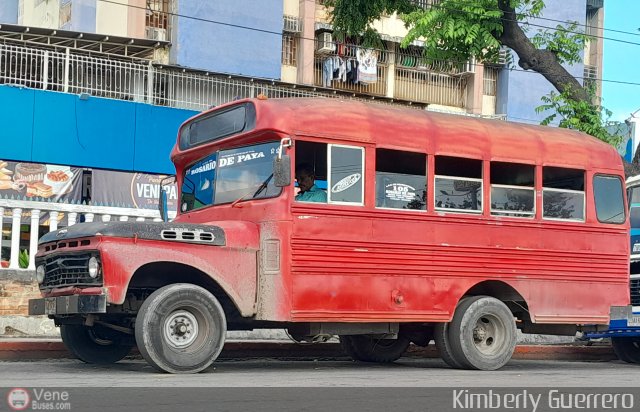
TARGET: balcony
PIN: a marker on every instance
(400, 75)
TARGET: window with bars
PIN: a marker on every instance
(289, 49)
(157, 14)
(490, 81)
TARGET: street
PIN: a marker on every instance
(408, 372)
(411, 384)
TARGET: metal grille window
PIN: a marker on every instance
(490, 81)
(289, 49)
(157, 20)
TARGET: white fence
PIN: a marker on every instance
(53, 213)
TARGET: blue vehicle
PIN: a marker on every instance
(624, 326)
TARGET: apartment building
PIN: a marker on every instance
(290, 40)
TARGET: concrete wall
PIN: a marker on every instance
(59, 128)
(40, 14)
(83, 16)
(9, 11)
(225, 48)
(523, 89)
(113, 18)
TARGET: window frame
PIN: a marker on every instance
(512, 213)
(330, 182)
(625, 212)
(426, 179)
(461, 211)
(559, 219)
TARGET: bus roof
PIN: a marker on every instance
(410, 129)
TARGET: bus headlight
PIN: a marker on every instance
(40, 273)
(94, 268)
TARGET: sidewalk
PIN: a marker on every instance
(42, 348)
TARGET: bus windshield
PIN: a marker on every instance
(229, 175)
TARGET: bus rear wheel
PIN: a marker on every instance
(180, 328)
(371, 349)
(95, 344)
(482, 333)
(627, 349)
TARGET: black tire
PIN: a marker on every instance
(627, 349)
(349, 347)
(368, 349)
(482, 333)
(181, 328)
(441, 338)
(95, 344)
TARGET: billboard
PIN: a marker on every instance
(130, 190)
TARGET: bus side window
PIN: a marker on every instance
(563, 193)
(512, 189)
(458, 184)
(311, 155)
(401, 179)
(346, 175)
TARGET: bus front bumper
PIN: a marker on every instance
(68, 305)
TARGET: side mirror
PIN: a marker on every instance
(282, 171)
(162, 205)
(162, 197)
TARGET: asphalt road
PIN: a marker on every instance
(407, 372)
(322, 385)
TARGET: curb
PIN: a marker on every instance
(38, 349)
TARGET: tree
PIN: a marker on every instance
(456, 30)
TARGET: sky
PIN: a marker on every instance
(621, 60)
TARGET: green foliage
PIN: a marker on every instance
(566, 41)
(456, 30)
(23, 259)
(578, 115)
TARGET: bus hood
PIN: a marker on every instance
(180, 232)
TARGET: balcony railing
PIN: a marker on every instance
(430, 87)
(141, 81)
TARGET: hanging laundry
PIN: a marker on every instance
(352, 71)
(327, 71)
(367, 65)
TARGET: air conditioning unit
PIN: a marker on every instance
(324, 43)
(469, 67)
(156, 33)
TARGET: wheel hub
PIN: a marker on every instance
(488, 334)
(181, 328)
(479, 334)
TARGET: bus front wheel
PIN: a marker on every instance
(627, 349)
(180, 328)
(482, 333)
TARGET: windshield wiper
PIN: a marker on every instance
(260, 189)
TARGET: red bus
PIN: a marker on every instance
(424, 226)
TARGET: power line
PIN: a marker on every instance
(556, 21)
(539, 25)
(280, 34)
